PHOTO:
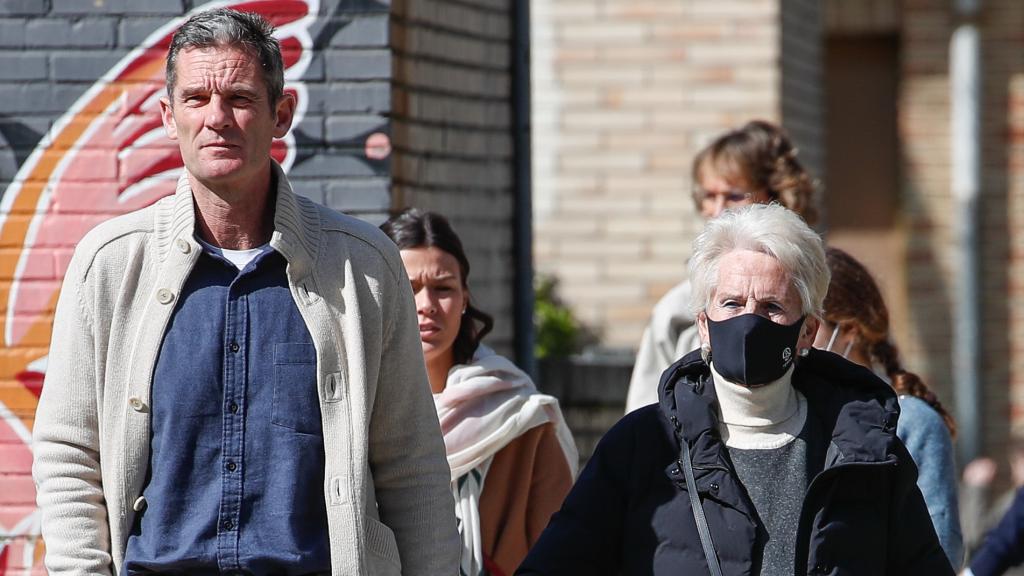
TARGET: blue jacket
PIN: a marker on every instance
(1004, 546)
(629, 512)
(927, 439)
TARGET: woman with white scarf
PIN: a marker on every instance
(512, 456)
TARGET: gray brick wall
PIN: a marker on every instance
(802, 99)
(451, 130)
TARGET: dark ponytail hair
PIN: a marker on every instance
(414, 228)
(854, 300)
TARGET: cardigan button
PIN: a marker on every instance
(183, 245)
(140, 504)
(164, 296)
(137, 404)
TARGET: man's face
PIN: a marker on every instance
(221, 116)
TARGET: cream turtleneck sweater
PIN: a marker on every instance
(760, 418)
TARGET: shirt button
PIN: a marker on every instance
(231, 466)
(227, 525)
(233, 408)
(183, 245)
(164, 296)
(140, 504)
(234, 347)
(137, 404)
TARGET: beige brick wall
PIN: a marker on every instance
(625, 93)
(928, 205)
(1002, 220)
(452, 134)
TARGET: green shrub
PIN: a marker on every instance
(557, 332)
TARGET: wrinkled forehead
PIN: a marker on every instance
(217, 68)
(753, 273)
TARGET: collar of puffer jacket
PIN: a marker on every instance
(853, 405)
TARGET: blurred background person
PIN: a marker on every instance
(763, 456)
(753, 164)
(1003, 547)
(980, 509)
(856, 325)
(512, 456)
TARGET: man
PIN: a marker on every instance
(235, 380)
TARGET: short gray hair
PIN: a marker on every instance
(770, 229)
(226, 27)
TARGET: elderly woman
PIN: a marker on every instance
(512, 457)
(754, 164)
(763, 456)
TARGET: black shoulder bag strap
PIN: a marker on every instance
(698, 513)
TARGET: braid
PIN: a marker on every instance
(904, 382)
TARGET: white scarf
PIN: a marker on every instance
(484, 406)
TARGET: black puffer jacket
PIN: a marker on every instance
(629, 512)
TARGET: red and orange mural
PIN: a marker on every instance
(107, 155)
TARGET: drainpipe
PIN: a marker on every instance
(522, 238)
(965, 147)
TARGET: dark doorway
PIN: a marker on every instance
(863, 160)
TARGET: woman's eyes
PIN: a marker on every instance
(416, 287)
(769, 307)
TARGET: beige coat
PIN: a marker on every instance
(386, 484)
(671, 334)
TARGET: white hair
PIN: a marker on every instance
(770, 229)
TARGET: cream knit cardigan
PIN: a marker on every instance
(386, 484)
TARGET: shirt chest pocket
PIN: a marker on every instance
(296, 401)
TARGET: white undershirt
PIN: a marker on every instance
(759, 418)
(240, 258)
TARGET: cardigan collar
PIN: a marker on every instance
(297, 227)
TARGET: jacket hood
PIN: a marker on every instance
(858, 409)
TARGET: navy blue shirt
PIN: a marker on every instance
(236, 474)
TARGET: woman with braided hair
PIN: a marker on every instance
(856, 325)
(754, 164)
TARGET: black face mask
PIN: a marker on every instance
(751, 349)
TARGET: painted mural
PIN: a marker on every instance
(107, 155)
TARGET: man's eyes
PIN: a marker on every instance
(238, 99)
